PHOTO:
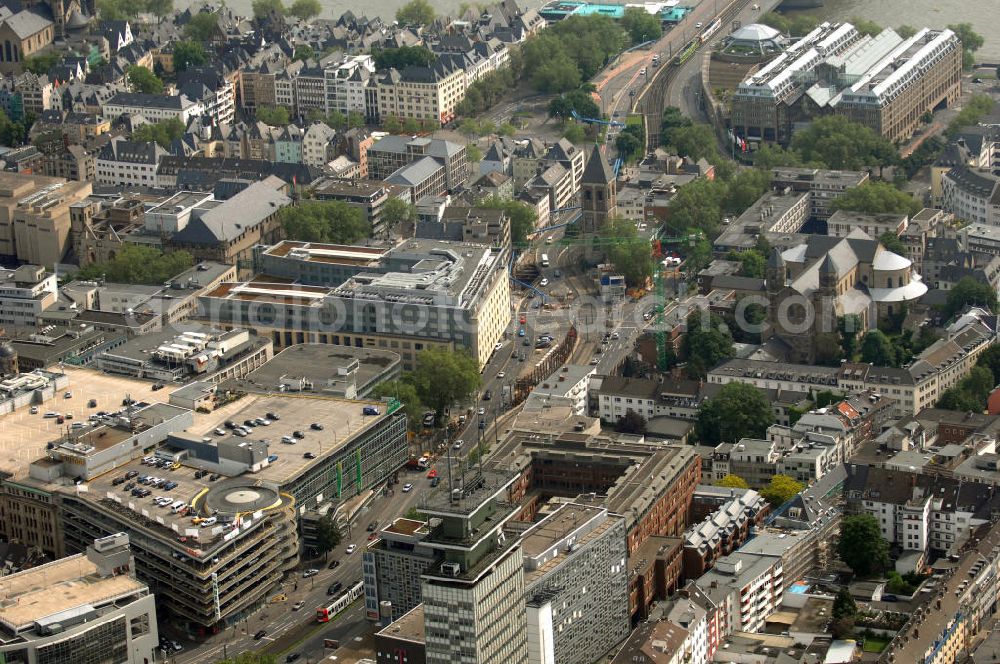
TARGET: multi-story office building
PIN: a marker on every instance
(472, 579)
(346, 83)
(972, 194)
(575, 584)
(422, 293)
(369, 197)
(425, 94)
(389, 154)
(884, 82)
(211, 572)
(823, 186)
(85, 608)
(24, 294)
(35, 217)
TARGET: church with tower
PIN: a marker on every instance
(598, 192)
(811, 286)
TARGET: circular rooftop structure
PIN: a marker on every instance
(755, 32)
(239, 496)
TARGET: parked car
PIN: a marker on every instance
(407, 487)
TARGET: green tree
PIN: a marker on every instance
(116, 10)
(629, 253)
(630, 147)
(522, 217)
(738, 410)
(188, 54)
(977, 106)
(990, 359)
(41, 63)
(396, 213)
(143, 80)
(970, 291)
(403, 391)
(444, 377)
(416, 12)
(577, 100)
(327, 535)
(971, 42)
(506, 129)
(844, 605)
(305, 9)
(160, 8)
(640, 25)
(875, 197)
(135, 264)
(733, 482)
(781, 489)
(275, 116)
(201, 27)
(849, 325)
(838, 143)
(752, 263)
(878, 349)
(906, 31)
(355, 119)
(324, 221)
(265, 8)
(861, 545)
(474, 154)
(304, 52)
(403, 57)
(697, 205)
(696, 141)
(632, 422)
(392, 125)
(769, 156)
(892, 242)
(672, 118)
(559, 75)
(744, 188)
(865, 27)
(163, 133)
(570, 51)
(574, 133)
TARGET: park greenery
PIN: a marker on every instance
(335, 222)
(733, 482)
(780, 489)
(861, 545)
(977, 106)
(631, 142)
(118, 10)
(576, 101)
(162, 133)
(416, 12)
(201, 27)
(484, 93)
(738, 410)
(521, 215)
(403, 57)
(628, 252)
(303, 9)
(135, 264)
(876, 197)
(640, 25)
(188, 54)
(275, 116)
(444, 377)
(971, 42)
(570, 52)
(143, 80)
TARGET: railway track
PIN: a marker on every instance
(651, 101)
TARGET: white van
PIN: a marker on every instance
(210, 521)
(177, 506)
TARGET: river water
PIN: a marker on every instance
(890, 13)
(982, 14)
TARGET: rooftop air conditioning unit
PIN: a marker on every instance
(451, 569)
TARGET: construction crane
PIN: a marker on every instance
(609, 123)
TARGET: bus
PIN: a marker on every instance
(686, 53)
(343, 600)
(545, 260)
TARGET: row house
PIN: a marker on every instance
(723, 531)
